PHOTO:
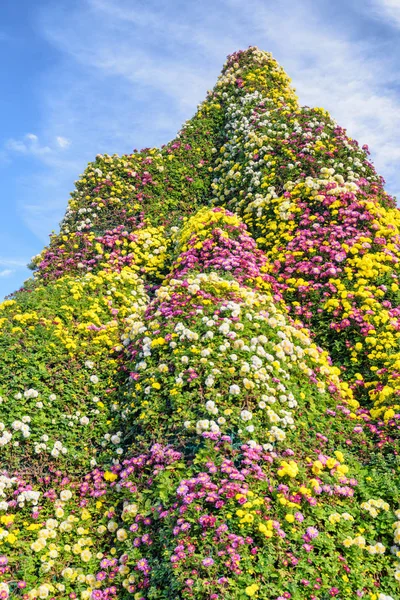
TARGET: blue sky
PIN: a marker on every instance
(81, 77)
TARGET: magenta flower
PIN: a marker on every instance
(312, 532)
(207, 562)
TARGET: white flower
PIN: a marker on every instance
(121, 535)
(5, 438)
(246, 415)
(94, 379)
(202, 425)
(268, 447)
(84, 421)
(51, 523)
(209, 381)
(43, 591)
(89, 364)
(234, 389)
(211, 408)
(224, 328)
(112, 526)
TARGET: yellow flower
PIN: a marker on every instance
(86, 555)
(11, 538)
(339, 455)
(317, 467)
(288, 468)
(289, 518)
(334, 518)
(251, 590)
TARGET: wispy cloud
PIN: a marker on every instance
(144, 68)
(62, 142)
(335, 69)
(6, 272)
(388, 10)
(30, 144)
(13, 262)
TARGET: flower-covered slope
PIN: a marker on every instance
(121, 204)
(315, 205)
(61, 348)
(169, 427)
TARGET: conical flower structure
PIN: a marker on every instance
(198, 385)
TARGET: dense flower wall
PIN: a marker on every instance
(198, 394)
(314, 203)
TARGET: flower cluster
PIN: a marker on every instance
(118, 196)
(315, 205)
(144, 250)
(61, 348)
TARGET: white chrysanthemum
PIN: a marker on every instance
(246, 415)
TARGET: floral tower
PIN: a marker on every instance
(199, 394)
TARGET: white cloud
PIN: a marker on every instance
(387, 10)
(16, 146)
(6, 272)
(62, 141)
(144, 68)
(29, 144)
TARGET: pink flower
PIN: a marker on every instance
(207, 562)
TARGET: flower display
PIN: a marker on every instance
(314, 203)
(198, 391)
